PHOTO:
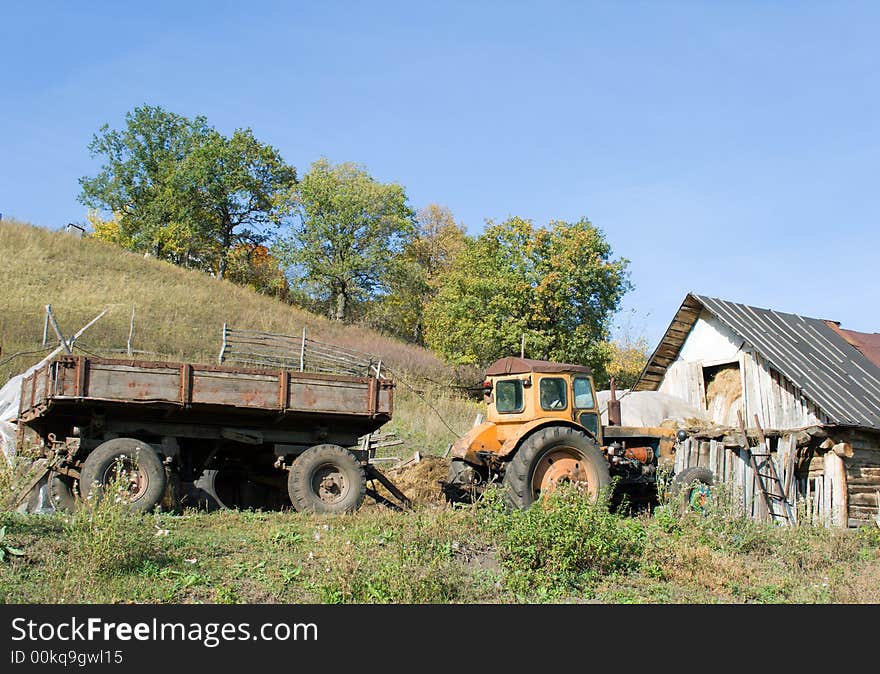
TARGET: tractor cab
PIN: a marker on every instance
(520, 390)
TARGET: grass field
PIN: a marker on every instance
(566, 552)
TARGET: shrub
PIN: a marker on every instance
(565, 543)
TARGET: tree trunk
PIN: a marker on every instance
(226, 242)
(341, 305)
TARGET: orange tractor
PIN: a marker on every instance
(543, 428)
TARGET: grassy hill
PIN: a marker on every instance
(179, 314)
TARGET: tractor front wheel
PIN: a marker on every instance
(554, 456)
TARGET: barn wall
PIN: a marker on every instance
(710, 341)
(820, 486)
(772, 397)
(765, 392)
(863, 477)
(731, 467)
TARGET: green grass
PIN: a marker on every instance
(567, 551)
(179, 312)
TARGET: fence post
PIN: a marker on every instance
(64, 343)
(222, 346)
(46, 325)
(302, 352)
(130, 332)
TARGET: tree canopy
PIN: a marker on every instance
(183, 191)
(556, 285)
(415, 275)
(349, 227)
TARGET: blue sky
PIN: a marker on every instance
(728, 148)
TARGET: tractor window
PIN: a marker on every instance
(509, 396)
(583, 394)
(553, 394)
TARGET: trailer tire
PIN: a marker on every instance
(140, 459)
(326, 479)
(59, 490)
(531, 470)
(692, 487)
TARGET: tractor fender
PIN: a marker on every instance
(512, 444)
(481, 438)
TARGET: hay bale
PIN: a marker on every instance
(420, 480)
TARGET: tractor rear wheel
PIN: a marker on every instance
(326, 479)
(552, 456)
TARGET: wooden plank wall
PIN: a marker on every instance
(863, 478)
(775, 400)
(731, 467)
(831, 491)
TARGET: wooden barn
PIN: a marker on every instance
(795, 406)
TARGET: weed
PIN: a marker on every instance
(181, 581)
(566, 543)
(6, 549)
(105, 538)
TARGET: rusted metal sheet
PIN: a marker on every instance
(183, 384)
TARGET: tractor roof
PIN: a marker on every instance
(512, 365)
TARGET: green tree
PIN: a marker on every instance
(135, 182)
(416, 273)
(237, 189)
(349, 228)
(557, 285)
(184, 192)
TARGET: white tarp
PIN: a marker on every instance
(649, 408)
(10, 395)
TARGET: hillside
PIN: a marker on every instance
(180, 314)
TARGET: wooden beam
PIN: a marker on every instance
(843, 450)
(835, 488)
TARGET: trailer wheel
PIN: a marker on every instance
(59, 489)
(553, 456)
(696, 486)
(142, 471)
(326, 479)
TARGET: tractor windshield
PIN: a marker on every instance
(553, 393)
(509, 396)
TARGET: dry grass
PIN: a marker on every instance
(179, 312)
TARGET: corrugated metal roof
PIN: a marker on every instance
(829, 370)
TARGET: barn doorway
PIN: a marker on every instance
(723, 392)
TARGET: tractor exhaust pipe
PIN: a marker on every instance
(613, 407)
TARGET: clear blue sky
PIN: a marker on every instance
(729, 148)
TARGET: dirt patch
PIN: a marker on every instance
(420, 480)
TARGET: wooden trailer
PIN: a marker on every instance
(186, 433)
